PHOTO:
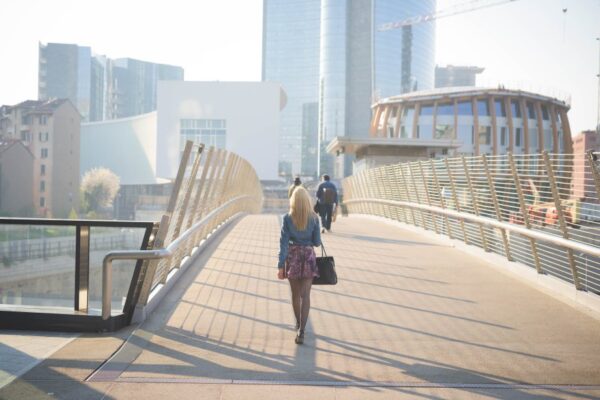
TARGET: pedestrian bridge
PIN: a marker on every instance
(419, 311)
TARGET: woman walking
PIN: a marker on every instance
(297, 260)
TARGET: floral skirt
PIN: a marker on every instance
(301, 262)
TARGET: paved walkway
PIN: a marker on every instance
(21, 351)
(410, 318)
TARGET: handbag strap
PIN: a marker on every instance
(323, 250)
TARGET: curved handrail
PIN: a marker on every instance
(156, 254)
(559, 241)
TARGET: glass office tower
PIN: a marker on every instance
(331, 52)
(360, 64)
(291, 57)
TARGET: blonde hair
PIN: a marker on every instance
(300, 208)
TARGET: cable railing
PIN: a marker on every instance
(541, 210)
(210, 187)
(66, 274)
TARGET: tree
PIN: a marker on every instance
(99, 187)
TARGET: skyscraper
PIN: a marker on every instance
(64, 73)
(360, 64)
(135, 84)
(291, 57)
(99, 87)
(356, 63)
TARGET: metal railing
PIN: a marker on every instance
(210, 187)
(542, 210)
(51, 251)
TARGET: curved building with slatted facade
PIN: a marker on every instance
(473, 121)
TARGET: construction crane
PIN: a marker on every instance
(461, 8)
(406, 25)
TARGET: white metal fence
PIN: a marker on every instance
(518, 206)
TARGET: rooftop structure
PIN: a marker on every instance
(456, 76)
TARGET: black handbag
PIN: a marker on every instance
(326, 265)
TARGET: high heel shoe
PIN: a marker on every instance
(300, 337)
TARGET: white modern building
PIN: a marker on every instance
(126, 146)
(242, 117)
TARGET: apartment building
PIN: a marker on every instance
(50, 130)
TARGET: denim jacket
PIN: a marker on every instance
(311, 236)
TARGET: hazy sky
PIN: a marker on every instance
(530, 43)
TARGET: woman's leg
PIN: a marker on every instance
(305, 297)
(296, 285)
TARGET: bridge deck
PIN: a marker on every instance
(411, 316)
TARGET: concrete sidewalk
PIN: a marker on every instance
(410, 318)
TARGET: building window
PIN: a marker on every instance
(500, 110)
(503, 136)
(483, 108)
(43, 119)
(44, 153)
(530, 110)
(26, 136)
(548, 139)
(533, 140)
(518, 137)
(407, 125)
(445, 109)
(43, 169)
(42, 186)
(43, 136)
(426, 109)
(25, 119)
(485, 135)
(211, 132)
(545, 115)
(465, 108)
(444, 131)
(42, 202)
(515, 108)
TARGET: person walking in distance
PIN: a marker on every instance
(297, 182)
(327, 200)
(297, 259)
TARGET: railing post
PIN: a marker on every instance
(212, 184)
(171, 207)
(399, 194)
(484, 241)
(524, 213)
(595, 173)
(455, 198)
(201, 186)
(412, 213)
(188, 192)
(561, 218)
(494, 197)
(416, 192)
(442, 201)
(152, 266)
(82, 267)
(426, 187)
